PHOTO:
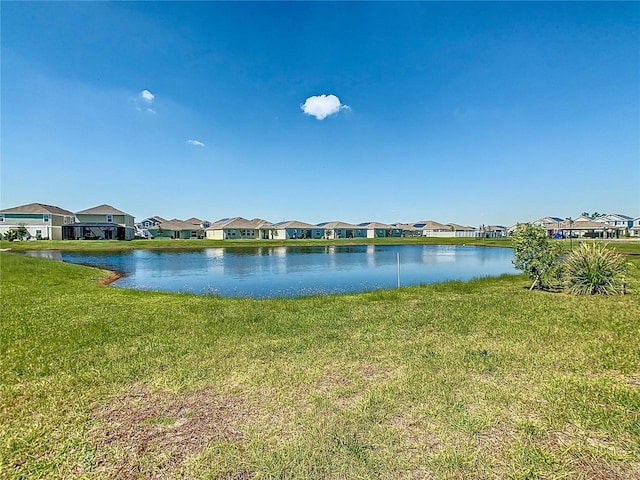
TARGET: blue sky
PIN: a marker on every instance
(473, 113)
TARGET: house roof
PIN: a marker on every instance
(38, 208)
(461, 228)
(102, 210)
(431, 225)
(404, 226)
(372, 225)
(336, 224)
(615, 216)
(295, 224)
(240, 222)
(175, 224)
(547, 220)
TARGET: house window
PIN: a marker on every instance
(1, 217)
(45, 217)
(110, 218)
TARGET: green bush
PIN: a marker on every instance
(593, 269)
(536, 256)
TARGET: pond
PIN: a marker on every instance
(260, 272)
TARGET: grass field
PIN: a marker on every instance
(483, 379)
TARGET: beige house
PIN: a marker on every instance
(101, 222)
(238, 228)
(179, 229)
(41, 221)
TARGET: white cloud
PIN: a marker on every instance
(147, 96)
(197, 143)
(321, 106)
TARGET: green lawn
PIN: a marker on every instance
(483, 379)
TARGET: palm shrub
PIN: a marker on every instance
(593, 269)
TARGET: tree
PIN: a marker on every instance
(536, 256)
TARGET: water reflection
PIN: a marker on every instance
(293, 271)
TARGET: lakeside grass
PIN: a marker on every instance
(167, 243)
(483, 379)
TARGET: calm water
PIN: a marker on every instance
(294, 271)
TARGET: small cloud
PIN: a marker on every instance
(321, 106)
(147, 96)
(197, 143)
(151, 110)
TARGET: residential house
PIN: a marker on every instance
(41, 221)
(407, 229)
(493, 231)
(622, 223)
(462, 230)
(102, 222)
(380, 230)
(635, 229)
(142, 227)
(294, 229)
(429, 228)
(342, 230)
(203, 224)
(238, 228)
(178, 229)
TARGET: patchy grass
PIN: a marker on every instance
(482, 379)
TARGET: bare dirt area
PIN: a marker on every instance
(150, 434)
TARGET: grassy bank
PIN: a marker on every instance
(627, 246)
(459, 380)
(166, 243)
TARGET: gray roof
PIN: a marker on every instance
(461, 228)
(101, 210)
(295, 224)
(38, 208)
(372, 225)
(431, 225)
(336, 224)
(175, 224)
(240, 222)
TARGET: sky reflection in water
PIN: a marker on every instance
(260, 272)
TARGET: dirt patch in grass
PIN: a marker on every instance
(150, 434)
(111, 277)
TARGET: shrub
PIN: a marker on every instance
(536, 256)
(593, 269)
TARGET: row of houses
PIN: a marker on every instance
(43, 221)
(239, 228)
(613, 225)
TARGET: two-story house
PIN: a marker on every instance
(102, 222)
(41, 221)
